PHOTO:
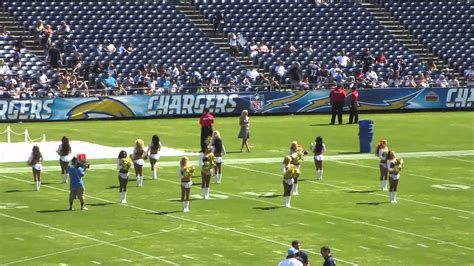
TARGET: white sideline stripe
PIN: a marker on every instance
(93, 245)
(126, 260)
(95, 262)
(345, 219)
(392, 246)
(408, 173)
(328, 222)
(182, 218)
(248, 253)
(50, 237)
(421, 245)
(456, 159)
(107, 233)
(409, 219)
(365, 156)
(351, 189)
(362, 247)
(86, 237)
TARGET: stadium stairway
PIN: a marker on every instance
(401, 34)
(219, 40)
(16, 31)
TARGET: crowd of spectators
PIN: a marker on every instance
(75, 77)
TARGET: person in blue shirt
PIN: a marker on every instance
(77, 170)
(328, 259)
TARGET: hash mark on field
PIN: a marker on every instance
(19, 239)
(107, 233)
(188, 257)
(50, 237)
(219, 255)
(362, 247)
(328, 222)
(193, 229)
(392, 246)
(248, 253)
(136, 232)
(382, 220)
(275, 225)
(336, 249)
(464, 217)
(303, 224)
(409, 219)
(421, 245)
(95, 262)
(164, 230)
(126, 260)
(436, 218)
(277, 252)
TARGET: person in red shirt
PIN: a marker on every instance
(337, 97)
(353, 102)
(206, 121)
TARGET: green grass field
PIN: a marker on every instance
(245, 222)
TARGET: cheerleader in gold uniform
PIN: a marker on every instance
(64, 150)
(290, 172)
(35, 162)
(219, 150)
(296, 154)
(381, 151)
(207, 163)
(394, 166)
(124, 163)
(153, 153)
(139, 156)
(185, 173)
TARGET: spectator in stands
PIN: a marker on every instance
(120, 89)
(151, 84)
(97, 67)
(43, 81)
(243, 82)
(61, 45)
(75, 62)
(274, 83)
(431, 66)
(218, 22)
(409, 82)
(110, 47)
(232, 41)
(469, 76)
(98, 47)
(295, 75)
(394, 79)
(107, 83)
(312, 72)
(381, 83)
(81, 88)
(64, 85)
(173, 72)
(47, 37)
(262, 82)
(20, 43)
(10, 83)
(120, 48)
(453, 82)
(308, 49)
(289, 48)
(37, 31)
(3, 32)
(400, 64)
(263, 48)
(381, 59)
(280, 71)
(165, 82)
(54, 57)
(152, 71)
(334, 70)
(129, 48)
(63, 29)
(371, 74)
(342, 59)
(4, 68)
(367, 59)
(252, 74)
(127, 81)
(441, 81)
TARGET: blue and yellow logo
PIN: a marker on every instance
(102, 107)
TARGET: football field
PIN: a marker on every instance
(245, 222)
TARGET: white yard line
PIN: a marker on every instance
(100, 242)
(392, 246)
(421, 245)
(96, 262)
(248, 253)
(178, 217)
(362, 247)
(456, 159)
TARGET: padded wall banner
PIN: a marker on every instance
(177, 105)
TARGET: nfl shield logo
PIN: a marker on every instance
(256, 102)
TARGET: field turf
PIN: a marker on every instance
(245, 222)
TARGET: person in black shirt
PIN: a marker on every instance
(328, 259)
(54, 57)
(304, 257)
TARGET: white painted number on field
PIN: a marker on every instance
(5, 206)
(213, 196)
(451, 186)
(260, 194)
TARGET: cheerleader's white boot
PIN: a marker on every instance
(155, 175)
(64, 179)
(186, 204)
(203, 193)
(383, 185)
(320, 175)
(394, 197)
(123, 197)
(287, 201)
(206, 195)
(37, 184)
(294, 190)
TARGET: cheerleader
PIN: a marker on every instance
(219, 150)
(139, 156)
(318, 149)
(124, 163)
(207, 163)
(381, 151)
(296, 154)
(244, 132)
(153, 153)
(290, 172)
(35, 162)
(64, 150)
(185, 173)
(394, 166)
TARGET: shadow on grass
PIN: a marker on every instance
(234, 152)
(269, 196)
(17, 190)
(267, 208)
(196, 184)
(163, 212)
(100, 204)
(320, 125)
(50, 183)
(50, 211)
(372, 203)
(350, 152)
(113, 187)
(361, 191)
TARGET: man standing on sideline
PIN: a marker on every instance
(337, 97)
(76, 170)
(328, 259)
(206, 121)
(291, 259)
(304, 257)
(353, 102)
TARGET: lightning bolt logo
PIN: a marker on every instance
(315, 104)
(283, 102)
(104, 106)
(388, 104)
